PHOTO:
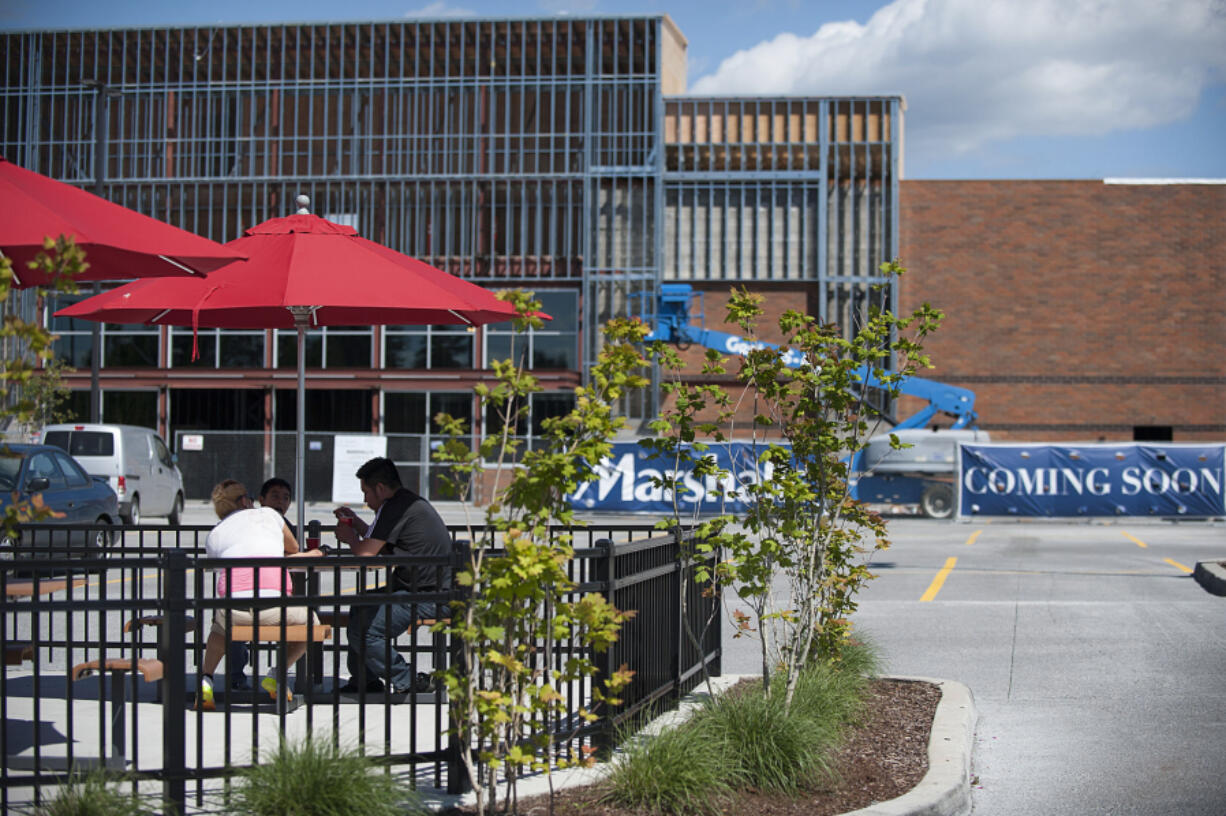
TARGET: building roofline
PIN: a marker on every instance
(730, 97)
(1122, 180)
(387, 21)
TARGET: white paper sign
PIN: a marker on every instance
(348, 454)
(192, 441)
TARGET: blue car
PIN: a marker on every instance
(74, 497)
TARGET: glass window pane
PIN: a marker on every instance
(451, 351)
(242, 350)
(404, 413)
(287, 350)
(181, 350)
(549, 351)
(65, 324)
(74, 350)
(457, 404)
(76, 407)
(498, 346)
(226, 409)
(563, 307)
(549, 405)
(326, 410)
(130, 350)
(494, 423)
(405, 351)
(130, 407)
(348, 351)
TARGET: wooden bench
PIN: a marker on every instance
(17, 653)
(150, 670)
(189, 625)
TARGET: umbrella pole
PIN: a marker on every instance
(300, 460)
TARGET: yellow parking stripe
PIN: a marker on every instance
(939, 581)
(1133, 539)
(1177, 565)
(974, 536)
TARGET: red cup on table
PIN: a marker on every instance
(312, 536)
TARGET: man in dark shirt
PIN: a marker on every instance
(404, 524)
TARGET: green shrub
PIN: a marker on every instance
(747, 740)
(679, 770)
(773, 749)
(92, 795)
(833, 692)
(315, 779)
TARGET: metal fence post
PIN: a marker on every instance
(457, 773)
(676, 626)
(174, 680)
(716, 667)
(310, 667)
(605, 572)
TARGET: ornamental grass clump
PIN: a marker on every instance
(834, 690)
(92, 794)
(747, 739)
(786, 748)
(312, 778)
(771, 748)
(679, 770)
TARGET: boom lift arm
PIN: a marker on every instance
(674, 324)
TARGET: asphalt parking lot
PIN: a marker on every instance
(1097, 664)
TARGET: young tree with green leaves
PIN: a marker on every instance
(802, 528)
(802, 525)
(504, 692)
(28, 371)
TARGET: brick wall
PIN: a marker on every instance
(1074, 309)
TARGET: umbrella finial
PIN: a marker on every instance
(303, 203)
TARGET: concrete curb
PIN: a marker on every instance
(1211, 575)
(946, 789)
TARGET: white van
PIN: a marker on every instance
(135, 461)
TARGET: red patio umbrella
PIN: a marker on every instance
(120, 244)
(302, 271)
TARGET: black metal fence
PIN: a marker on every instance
(103, 647)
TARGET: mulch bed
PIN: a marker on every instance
(881, 759)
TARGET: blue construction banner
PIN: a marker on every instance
(1132, 479)
(624, 482)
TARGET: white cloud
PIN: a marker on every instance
(980, 71)
(439, 9)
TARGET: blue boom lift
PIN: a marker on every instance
(921, 474)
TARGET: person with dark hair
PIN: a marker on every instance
(277, 494)
(404, 524)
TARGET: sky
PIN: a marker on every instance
(995, 89)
